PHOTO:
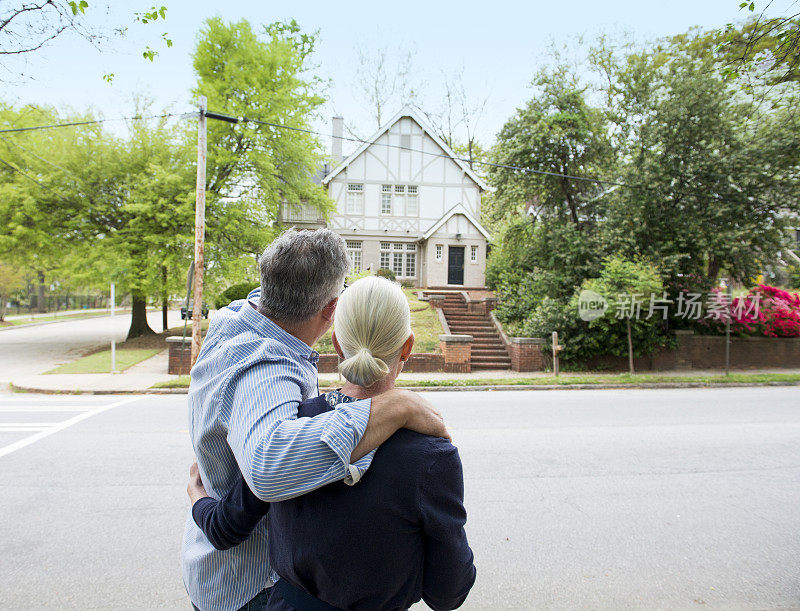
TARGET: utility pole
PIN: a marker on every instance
(199, 231)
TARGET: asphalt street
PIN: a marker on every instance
(576, 499)
(39, 348)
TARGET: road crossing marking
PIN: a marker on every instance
(56, 426)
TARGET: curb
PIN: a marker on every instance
(643, 385)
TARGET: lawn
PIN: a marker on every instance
(100, 362)
(424, 323)
(571, 380)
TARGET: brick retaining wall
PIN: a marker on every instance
(418, 362)
(708, 352)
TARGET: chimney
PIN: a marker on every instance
(337, 129)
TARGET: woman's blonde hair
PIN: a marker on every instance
(372, 323)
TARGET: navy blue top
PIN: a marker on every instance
(392, 539)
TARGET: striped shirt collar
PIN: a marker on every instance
(266, 327)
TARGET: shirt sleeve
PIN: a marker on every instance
(449, 572)
(281, 456)
(229, 521)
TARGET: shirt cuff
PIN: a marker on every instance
(342, 434)
(359, 468)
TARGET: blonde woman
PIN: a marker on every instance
(386, 542)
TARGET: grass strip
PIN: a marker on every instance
(569, 380)
(100, 362)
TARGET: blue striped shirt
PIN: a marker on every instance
(248, 380)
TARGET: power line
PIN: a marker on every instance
(229, 119)
(92, 122)
(32, 179)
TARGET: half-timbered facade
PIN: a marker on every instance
(405, 202)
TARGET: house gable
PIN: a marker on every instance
(391, 141)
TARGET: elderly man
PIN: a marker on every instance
(255, 367)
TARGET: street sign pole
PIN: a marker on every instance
(113, 341)
(199, 231)
(728, 332)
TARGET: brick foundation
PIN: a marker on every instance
(180, 355)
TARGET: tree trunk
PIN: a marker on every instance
(164, 302)
(139, 324)
(40, 305)
(3, 302)
(713, 268)
(630, 348)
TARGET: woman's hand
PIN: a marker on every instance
(195, 489)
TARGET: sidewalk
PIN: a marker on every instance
(141, 377)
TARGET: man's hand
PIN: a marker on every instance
(195, 489)
(422, 416)
(398, 409)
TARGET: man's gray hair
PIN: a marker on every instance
(301, 271)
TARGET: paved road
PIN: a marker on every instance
(576, 499)
(36, 349)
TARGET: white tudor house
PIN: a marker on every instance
(405, 202)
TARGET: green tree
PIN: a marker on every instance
(261, 76)
(561, 136)
(10, 281)
(627, 286)
(709, 188)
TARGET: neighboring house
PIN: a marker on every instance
(405, 202)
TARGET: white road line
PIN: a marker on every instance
(44, 408)
(18, 445)
(13, 424)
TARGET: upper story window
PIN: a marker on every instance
(386, 199)
(399, 200)
(412, 201)
(355, 199)
(473, 254)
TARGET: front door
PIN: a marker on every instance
(455, 265)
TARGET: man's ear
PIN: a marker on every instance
(336, 345)
(405, 352)
(329, 309)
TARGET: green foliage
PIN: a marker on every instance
(713, 177)
(557, 133)
(385, 272)
(234, 293)
(793, 272)
(627, 286)
(11, 280)
(262, 76)
(352, 276)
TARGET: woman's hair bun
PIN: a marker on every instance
(363, 369)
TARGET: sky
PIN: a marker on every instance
(498, 45)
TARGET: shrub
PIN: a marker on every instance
(765, 310)
(385, 272)
(234, 293)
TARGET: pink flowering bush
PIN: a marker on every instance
(765, 310)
